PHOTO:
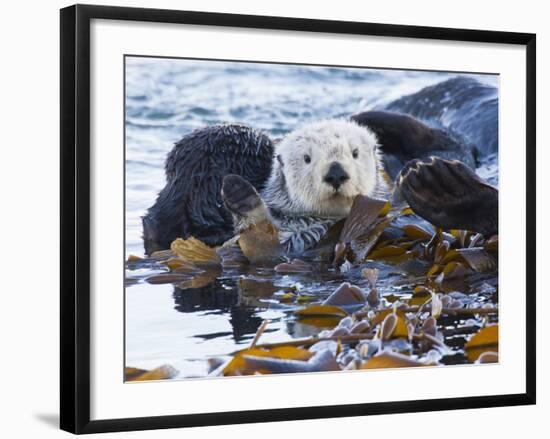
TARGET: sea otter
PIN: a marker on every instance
(303, 184)
(304, 191)
(318, 171)
(308, 182)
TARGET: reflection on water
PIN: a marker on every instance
(219, 311)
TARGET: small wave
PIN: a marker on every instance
(150, 123)
(137, 97)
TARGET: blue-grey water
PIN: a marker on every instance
(168, 98)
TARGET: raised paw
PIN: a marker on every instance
(449, 195)
(239, 195)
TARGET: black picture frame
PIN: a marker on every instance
(75, 216)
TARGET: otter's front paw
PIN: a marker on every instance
(239, 195)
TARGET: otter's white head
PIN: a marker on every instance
(323, 166)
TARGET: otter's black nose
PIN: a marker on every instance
(336, 175)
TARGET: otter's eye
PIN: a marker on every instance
(307, 159)
(355, 153)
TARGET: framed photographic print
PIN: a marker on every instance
(300, 217)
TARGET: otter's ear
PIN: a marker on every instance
(280, 159)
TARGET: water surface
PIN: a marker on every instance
(168, 98)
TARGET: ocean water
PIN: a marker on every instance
(168, 98)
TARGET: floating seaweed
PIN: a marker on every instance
(409, 294)
(160, 373)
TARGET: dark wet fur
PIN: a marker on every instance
(191, 204)
(450, 195)
(462, 105)
(403, 138)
